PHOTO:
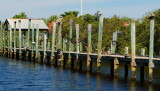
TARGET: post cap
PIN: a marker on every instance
(89, 27)
(59, 23)
(100, 14)
(19, 21)
(151, 16)
(30, 19)
(71, 22)
(77, 27)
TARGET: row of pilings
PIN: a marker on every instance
(32, 51)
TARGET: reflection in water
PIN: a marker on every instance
(115, 80)
(88, 80)
(20, 75)
(98, 79)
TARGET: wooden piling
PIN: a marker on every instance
(10, 41)
(151, 50)
(133, 52)
(15, 39)
(33, 43)
(77, 47)
(116, 63)
(4, 41)
(37, 51)
(60, 61)
(53, 43)
(64, 44)
(60, 36)
(81, 47)
(89, 47)
(70, 44)
(19, 26)
(142, 51)
(23, 39)
(44, 56)
(99, 42)
(113, 43)
(1, 38)
(8, 46)
(29, 29)
(48, 45)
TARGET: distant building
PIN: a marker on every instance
(43, 28)
(24, 24)
(126, 24)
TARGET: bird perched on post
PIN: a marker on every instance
(151, 16)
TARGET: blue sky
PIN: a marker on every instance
(46, 8)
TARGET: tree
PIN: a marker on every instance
(51, 19)
(21, 15)
(75, 13)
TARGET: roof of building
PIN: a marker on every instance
(24, 23)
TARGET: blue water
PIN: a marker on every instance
(16, 75)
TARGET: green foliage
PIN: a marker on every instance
(21, 15)
(51, 19)
(75, 13)
(110, 25)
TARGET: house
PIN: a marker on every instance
(24, 24)
(43, 28)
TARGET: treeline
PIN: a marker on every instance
(110, 25)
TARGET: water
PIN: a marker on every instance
(16, 75)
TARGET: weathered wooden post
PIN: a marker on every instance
(151, 49)
(19, 26)
(60, 35)
(64, 44)
(4, 40)
(77, 47)
(2, 45)
(42, 45)
(44, 56)
(133, 51)
(126, 50)
(29, 28)
(89, 47)
(53, 42)
(23, 39)
(116, 63)
(99, 42)
(113, 43)
(10, 41)
(60, 61)
(70, 44)
(142, 51)
(48, 45)
(33, 43)
(37, 51)
(81, 46)
(15, 39)
(1, 38)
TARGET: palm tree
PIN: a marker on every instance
(20, 15)
(70, 13)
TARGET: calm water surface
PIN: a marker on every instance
(16, 75)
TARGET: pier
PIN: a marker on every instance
(36, 48)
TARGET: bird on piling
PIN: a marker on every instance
(151, 16)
